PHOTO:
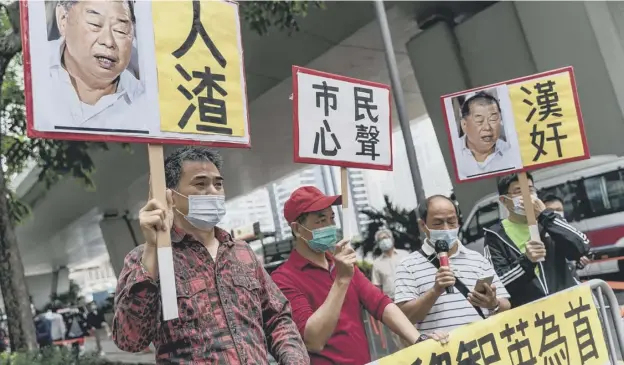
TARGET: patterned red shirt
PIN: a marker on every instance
(225, 309)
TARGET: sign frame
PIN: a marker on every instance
(87, 137)
(318, 161)
(570, 71)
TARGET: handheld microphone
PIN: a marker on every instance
(442, 249)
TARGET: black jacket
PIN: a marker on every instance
(517, 272)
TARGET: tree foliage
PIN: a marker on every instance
(401, 222)
(68, 299)
(283, 15)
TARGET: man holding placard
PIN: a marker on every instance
(531, 269)
(228, 305)
(327, 291)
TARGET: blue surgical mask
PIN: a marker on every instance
(447, 235)
(323, 239)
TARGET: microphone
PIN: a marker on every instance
(442, 249)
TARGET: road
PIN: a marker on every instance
(113, 354)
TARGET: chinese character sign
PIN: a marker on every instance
(135, 71)
(562, 329)
(341, 121)
(518, 125)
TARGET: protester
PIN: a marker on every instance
(385, 265)
(517, 259)
(57, 323)
(421, 286)
(384, 268)
(230, 309)
(98, 327)
(555, 203)
(327, 290)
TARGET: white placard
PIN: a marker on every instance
(341, 121)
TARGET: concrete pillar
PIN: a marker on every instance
(512, 39)
(118, 236)
(40, 287)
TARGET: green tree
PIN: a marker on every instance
(401, 222)
(56, 159)
(69, 298)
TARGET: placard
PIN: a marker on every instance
(515, 126)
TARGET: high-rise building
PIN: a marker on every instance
(397, 184)
(250, 208)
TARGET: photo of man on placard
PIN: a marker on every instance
(91, 46)
(483, 134)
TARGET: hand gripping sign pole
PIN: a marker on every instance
(397, 90)
(166, 272)
(528, 208)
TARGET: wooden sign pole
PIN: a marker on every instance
(344, 191)
(528, 207)
(166, 271)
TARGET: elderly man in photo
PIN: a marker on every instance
(481, 148)
(88, 65)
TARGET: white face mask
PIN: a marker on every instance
(385, 244)
(447, 235)
(204, 211)
(561, 214)
(518, 207)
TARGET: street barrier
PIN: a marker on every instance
(572, 327)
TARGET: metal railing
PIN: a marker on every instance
(610, 315)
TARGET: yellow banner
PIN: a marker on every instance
(199, 60)
(546, 119)
(563, 329)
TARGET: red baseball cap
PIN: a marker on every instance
(308, 199)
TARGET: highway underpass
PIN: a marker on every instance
(460, 45)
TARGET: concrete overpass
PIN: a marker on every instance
(460, 45)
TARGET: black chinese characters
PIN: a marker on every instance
(548, 120)
(208, 90)
(366, 131)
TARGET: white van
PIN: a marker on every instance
(593, 194)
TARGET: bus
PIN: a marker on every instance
(593, 195)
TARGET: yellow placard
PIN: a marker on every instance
(199, 61)
(546, 119)
(561, 329)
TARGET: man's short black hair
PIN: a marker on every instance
(506, 181)
(480, 96)
(549, 198)
(174, 162)
(423, 208)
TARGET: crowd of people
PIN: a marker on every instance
(308, 311)
(69, 326)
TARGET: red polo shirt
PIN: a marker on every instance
(306, 285)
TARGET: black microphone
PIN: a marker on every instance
(442, 249)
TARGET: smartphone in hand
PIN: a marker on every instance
(482, 283)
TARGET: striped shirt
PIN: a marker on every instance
(415, 276)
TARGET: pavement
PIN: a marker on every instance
(114, 354)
